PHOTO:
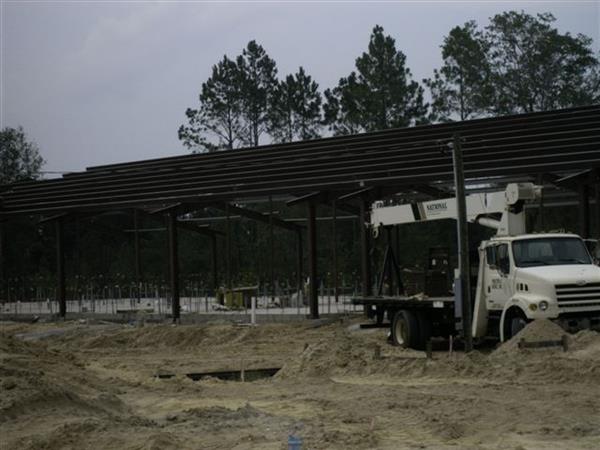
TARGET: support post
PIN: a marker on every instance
(598, 210)
(215, 273)
(312, 261)
(584, 210)
(174, 265)
(2, 263)
(540, 182)
(137, 256)
(61, 291)
(463, 243)
(364, 240)
(228, 250)
(272, 250)
(335, 255)
(300, 261)
(389, 273)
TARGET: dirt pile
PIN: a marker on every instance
(336, 391)
(347, 353)
(34, 378)
(536, 331)
(179, 337)
(552, 364)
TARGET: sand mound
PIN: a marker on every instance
(586, 345)
(182, 337)
(538, 330)
(35, 379)
(344, 352)
(347, 353)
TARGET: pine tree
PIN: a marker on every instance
(19, 158)
(380, 94)
(219, 115)
(461, 87)
(257, 82)
(536, 68)
(296, 109)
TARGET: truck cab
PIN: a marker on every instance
(535, 276)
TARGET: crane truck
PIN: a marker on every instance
(520, 277)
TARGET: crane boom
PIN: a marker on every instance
(508, 203)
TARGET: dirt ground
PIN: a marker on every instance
(94, 386)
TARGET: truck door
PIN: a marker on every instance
(497, 276)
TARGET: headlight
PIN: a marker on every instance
(543, 305)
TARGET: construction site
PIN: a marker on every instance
(492, 342)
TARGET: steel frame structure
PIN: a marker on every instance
(561, 146)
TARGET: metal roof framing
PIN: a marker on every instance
(561, 141)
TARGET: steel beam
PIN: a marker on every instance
(61, 290)
(559, 141)
(137, 255)
(228, 249)
(597, 192)
(365, 259)
(300, 261)
(2, 262)
(316, 196)
(271, 249)
(335, 255)
(174, 265)
(269, 219)
(214, 268)
(346, 143)
(463, 243)
(279, 168)
(313, 297)
(356, 194)
(584, 210)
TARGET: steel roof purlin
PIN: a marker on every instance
(563, 142)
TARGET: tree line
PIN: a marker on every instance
(517, 63)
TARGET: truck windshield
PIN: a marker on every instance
(550, 252)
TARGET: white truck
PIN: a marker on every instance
(520, 276)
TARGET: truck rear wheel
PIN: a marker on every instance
(405, 329)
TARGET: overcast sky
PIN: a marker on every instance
(101, 82)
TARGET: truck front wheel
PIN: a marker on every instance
(405, 329)
(514, 322)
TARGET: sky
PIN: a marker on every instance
(99, 82)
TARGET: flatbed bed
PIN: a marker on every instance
(404, 302)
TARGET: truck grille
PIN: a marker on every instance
(574, 296)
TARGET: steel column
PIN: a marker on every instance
(597, 210)
(300, 262)
(335, 255)
(312, 261)
(463, 243)
(137, 257)
(584, 210)
(365, 241)
(228, 249)
(540, 181)
(61, 291)
(389, 273)
(215, 273)
(272, 249)
(2, 259)
(174, 265)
